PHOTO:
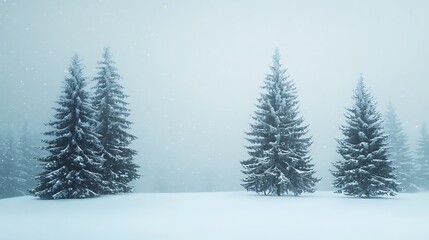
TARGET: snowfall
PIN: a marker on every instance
(220, 216)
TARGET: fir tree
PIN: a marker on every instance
(399, 152)
(279, 149)
(2, 167)
(111, 115)
(423, 159)
(365, 170)
(10, 181)
(73, 167)
(28, 166)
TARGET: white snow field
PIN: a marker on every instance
(220, 216)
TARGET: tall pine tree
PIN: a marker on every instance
(423, 159)
(73, 167)
(279, 149)
(111, 115)
(399, 152)
(365, 170)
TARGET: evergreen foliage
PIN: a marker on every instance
(27, 154)
(423, 159)
(399, 152)
(365, 170)
(279, 149)
(73, 167)
(10, 181)
(111, 115)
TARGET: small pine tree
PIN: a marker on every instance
(279, 149)
(365, 170)
(422, 157)
(399, 152)
(111, 115)
(73, 167)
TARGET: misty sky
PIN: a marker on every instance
(193, 71)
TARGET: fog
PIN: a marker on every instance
(193, 71)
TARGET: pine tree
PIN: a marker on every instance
(399, 152)
(111, 115)
(28, 166)
(73, 167)
(10, 181)
(279, 149)
(423, 159)
(365, 170)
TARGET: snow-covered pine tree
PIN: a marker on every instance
(73, 167)
(111, 115)
(279, 149)
(27, 155)
(365, 170)
(399, 152)
(10, 181)
(422, 159)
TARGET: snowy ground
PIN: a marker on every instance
(220, 216)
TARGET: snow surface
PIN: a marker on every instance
(220, 216)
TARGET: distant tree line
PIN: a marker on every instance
(18, 165)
